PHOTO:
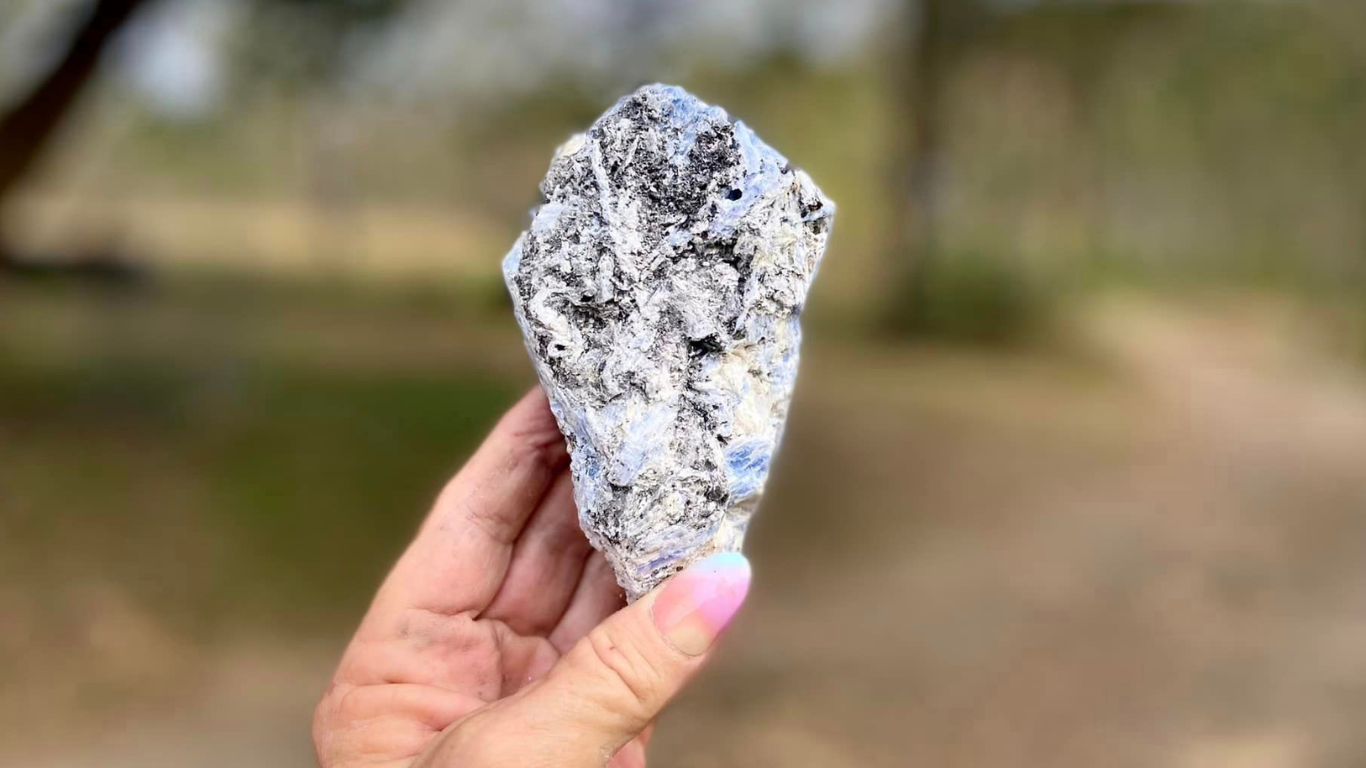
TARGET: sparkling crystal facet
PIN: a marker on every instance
(659, 291)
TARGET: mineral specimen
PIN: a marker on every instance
(659, 290)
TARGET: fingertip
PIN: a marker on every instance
(531, 416)
(694, 607)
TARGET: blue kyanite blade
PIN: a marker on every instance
(659, 290)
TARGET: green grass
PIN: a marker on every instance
(967, 297)
(267, 484)
(320, 479)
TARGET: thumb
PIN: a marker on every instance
(615, 681)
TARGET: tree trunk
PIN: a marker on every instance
(911, 242)
(26, 130)
(924, 188)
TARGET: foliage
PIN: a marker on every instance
(969, 297)
(267, 481)
(303, 43)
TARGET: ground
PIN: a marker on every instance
(1146, 546)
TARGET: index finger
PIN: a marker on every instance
(463, 548)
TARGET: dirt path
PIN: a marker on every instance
(991, 562)
(1167, 571)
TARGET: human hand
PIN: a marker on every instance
(500, 638)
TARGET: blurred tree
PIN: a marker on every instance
(917, 138)
(935, 32)
(975, 293)
(28, 127)
(297, 42)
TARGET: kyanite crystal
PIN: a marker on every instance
(659, 290)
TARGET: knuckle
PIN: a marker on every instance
(637, 682)
(326, 714)
(339, 705)
(476, 742)
(537, 450)
(491, 523)
(423, 627)
(533, 439)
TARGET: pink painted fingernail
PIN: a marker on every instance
(701, 600)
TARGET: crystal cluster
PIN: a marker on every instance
(659, 291)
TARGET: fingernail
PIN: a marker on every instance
(701, 600)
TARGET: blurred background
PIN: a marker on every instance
(1075, 470)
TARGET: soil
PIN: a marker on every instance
(1153, 553)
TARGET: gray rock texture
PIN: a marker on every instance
(659, 290)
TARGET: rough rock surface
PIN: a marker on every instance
(659, 290)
